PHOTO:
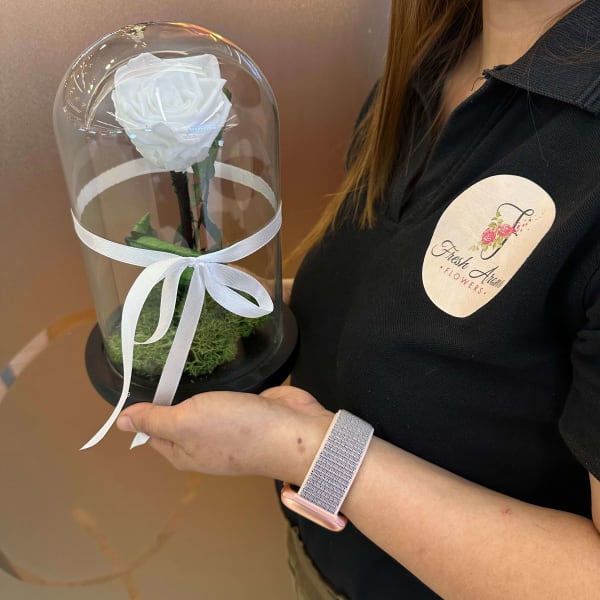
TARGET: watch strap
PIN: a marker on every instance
(337, 462)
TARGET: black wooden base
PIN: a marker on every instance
(257, 367)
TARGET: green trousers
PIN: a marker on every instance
(307, 581)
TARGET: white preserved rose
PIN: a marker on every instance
(172, 109)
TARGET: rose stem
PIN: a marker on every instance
(179, 181)
(204, 171)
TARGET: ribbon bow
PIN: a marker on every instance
(210, 274)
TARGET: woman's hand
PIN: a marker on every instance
(275, 434)
(461, 539)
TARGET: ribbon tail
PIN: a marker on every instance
(178, 354)
(139, 440)
(99, 435)
(168, 300)
(127, 339)
(132, 307)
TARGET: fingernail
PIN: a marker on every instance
(124, 423)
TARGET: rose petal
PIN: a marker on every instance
(172, 109)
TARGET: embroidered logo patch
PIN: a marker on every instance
(482, 239)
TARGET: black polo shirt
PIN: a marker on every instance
(465, 326)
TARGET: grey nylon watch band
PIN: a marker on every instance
(337, 462)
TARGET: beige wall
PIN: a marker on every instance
(321, 58)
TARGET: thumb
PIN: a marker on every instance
(295, 398)
(154, 420)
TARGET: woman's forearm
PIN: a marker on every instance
(465, 541)
(462, 540)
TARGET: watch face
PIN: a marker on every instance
(292, 500)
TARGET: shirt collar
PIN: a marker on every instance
(564, 64)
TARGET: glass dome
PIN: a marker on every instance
(168, 136)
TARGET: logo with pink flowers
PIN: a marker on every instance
(466, 264)
(499, 229)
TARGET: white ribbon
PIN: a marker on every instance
(210, 275)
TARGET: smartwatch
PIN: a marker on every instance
(332, 472)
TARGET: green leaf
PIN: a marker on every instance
(178, 238)
(153, 243)
(141, 228)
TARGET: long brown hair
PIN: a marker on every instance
(424, 35)
(420, 30)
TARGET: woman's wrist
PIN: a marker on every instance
(299, 441)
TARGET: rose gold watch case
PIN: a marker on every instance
(292, 500)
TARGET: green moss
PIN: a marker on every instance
(215, 342)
